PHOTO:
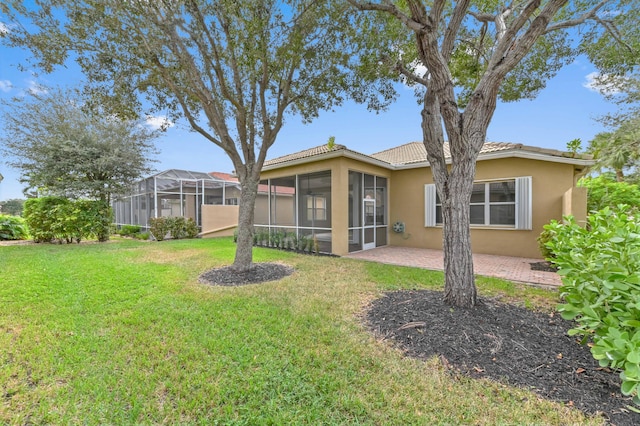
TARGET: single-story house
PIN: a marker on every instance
(351, 201)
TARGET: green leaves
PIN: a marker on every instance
(63, 148)
(56, 219)
(13, 228)
(603, 192)
(600, 268)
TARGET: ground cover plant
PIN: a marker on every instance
(13, 228)
(124, 332)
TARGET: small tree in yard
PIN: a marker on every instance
(13, 206)
(474, 53)
(618, 150)
(63, 148)
(233, 69)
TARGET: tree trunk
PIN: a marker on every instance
(459, 286)
(244, 248)
(619, 175)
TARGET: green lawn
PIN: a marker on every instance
(123, 333)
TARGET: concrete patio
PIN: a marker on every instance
(516, 269)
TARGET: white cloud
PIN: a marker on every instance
(4, 28)
(36, 88)
(6, 85)
(601, 83)
(158, 122)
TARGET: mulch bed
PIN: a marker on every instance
(543, 266)
(259, 273)
(503, 342)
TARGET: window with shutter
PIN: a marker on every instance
(498, 203)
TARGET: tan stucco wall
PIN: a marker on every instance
(574, 203)
(552, 196)
(550, 181)
(218, 220)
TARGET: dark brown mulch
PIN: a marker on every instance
(543, 266)
(259, 273)
(503, 342)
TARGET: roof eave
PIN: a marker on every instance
(327, 156)
(509, 153)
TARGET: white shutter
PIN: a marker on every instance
(430, 205)
(523, 202)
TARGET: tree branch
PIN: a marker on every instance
(591, 14)
(392, 9)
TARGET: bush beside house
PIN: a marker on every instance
(600, 269)
(605, 191)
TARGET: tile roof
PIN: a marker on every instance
(415, 152)
(224, 176)
(311, 152)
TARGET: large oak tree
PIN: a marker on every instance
(475, 52)
(63, 148)
(232, 69)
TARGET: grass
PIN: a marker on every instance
(123, 333)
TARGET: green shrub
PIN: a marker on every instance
(176, 227)
(603, 191)
(142, 236)
(129, 230)
(159, 227)
(41, 215)
(191, 229)
(545, 237)
(600, 268)
(13, 228)
(56, 219)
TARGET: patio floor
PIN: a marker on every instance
(517, 269)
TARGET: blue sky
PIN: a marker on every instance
(565, 110)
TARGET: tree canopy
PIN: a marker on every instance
(618, 150)
(605, 191)
(12, 207)
(62, 148)
(466, 55)
(232, 69)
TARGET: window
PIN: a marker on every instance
(316, 207)
(231, 201)
(505, 203)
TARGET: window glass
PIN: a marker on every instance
(502, 191)
(503, 214)
(316, 208)
(477, 194)
(477, 214)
